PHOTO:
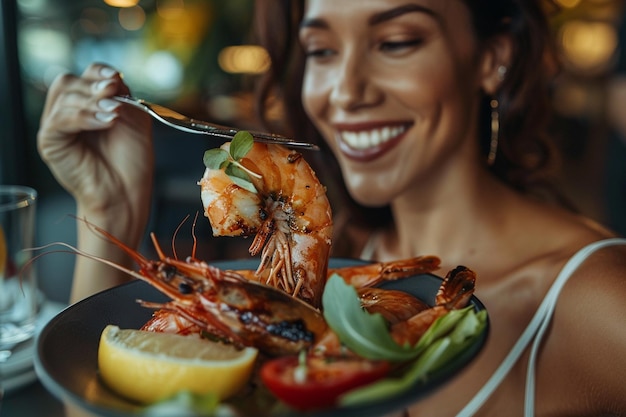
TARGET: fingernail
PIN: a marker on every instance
(101, 85)
(107, 72)
(105, 117)
(108, 105)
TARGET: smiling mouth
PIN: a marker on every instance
(371, 138)
(368, 144)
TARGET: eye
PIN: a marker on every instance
(169, 272)
(185, 288)
(400, 45)
(319, 53)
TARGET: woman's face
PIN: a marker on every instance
(394, 86)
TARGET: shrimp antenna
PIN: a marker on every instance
(193, 235)
(76, 251)
(176, 234)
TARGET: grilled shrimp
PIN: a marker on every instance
(408, 317)
(289, 216)
(369, 275)
(454, 293)
(221, 303)
(229, 306)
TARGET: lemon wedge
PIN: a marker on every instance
(147, 366)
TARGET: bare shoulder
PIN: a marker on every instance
(587, 341)
(599, 283)
(600, 278)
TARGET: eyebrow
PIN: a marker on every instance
(399, 11)
(378, 17)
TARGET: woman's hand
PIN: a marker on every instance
(101, 152)
(98, 149)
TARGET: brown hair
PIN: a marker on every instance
(524, 153)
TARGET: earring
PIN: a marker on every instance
(502, 72)
(495, 130)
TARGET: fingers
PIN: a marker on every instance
(76, 103)
(98, 71)
(97, 79)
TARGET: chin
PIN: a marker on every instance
(369, 197)
(369, 189)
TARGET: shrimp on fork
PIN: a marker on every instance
(289, 216)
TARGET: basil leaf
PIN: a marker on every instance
(240, 177)
(241, 144)
(215, 158)
(245, 184)
(233, 171)
(363, 333)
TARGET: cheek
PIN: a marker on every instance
(420, 84)
(312, 96)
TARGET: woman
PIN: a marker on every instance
(401, 96)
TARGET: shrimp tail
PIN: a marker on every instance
(457, 288)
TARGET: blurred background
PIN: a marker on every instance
(198, 57)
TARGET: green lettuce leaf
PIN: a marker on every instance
(363, 333)
(368, 336)
(436, 353)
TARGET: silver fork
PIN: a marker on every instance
(178, 121)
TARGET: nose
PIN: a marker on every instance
(354, 86)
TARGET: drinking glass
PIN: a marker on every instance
(18, 281)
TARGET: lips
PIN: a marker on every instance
(365, 143)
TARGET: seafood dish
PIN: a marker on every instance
(288, 306)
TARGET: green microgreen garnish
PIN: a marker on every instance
(219, 158)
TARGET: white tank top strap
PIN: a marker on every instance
(535, 329)
(367, 253)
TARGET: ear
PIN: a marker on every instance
(495, 61)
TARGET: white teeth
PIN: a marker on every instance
(367, 139)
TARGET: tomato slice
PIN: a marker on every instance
(323, 379)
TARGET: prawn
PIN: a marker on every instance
(455, 292)
(228, 306)
(291, 219)
(289, 216)
(371, 274)
(408, 317)
(222, 303)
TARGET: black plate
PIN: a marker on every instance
(67, 348)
